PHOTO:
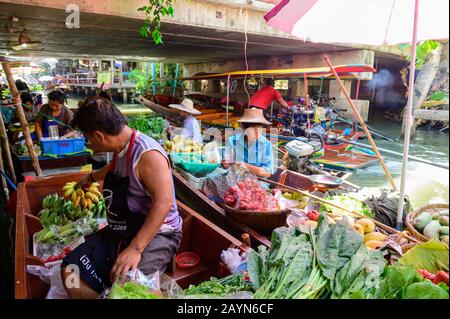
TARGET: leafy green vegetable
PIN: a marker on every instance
(131, 290)
(153, 126)
(432, 256)
(336, 247)
(425, 290)
(220, 287)
(359, 278)
(404, 282)
(348, 202)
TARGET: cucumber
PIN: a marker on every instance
(432, 229)
(443, 230)
(421, 221)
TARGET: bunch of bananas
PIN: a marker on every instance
(66, 233)
(84, 197)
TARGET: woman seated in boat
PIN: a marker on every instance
(56, 112)
(191, 127)
(250, 148)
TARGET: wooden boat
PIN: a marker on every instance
(197, 231)
(193, 196)
(345, 160)
(46, 162)
(211, 115)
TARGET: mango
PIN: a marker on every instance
(367, 224)
(374, 236)
(432, 229)
(421, 221)
(359, 229)
(443, 220)
(443, 230)
(374, 244)
(436, 216)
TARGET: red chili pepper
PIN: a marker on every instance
(441, 276)
(426, 274)
(68, 250)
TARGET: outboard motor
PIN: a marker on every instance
(300, 151)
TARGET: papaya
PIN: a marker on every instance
(374, 236)
(443, 230)
(436, 216)
(421, 221)
(432, 229)
(367, 224)
(374, 244)
(443, 220)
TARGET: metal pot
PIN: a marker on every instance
(325, 181)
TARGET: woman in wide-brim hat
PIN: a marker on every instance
(191, 127)
(250, 148)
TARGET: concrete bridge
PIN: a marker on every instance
(205, 35)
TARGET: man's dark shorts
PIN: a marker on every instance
(96, 256)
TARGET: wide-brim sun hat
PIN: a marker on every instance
(254, 116)
(186, 106)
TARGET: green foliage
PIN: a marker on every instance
(424, 49)
(155, 10)
(37, 87)
(141, 80)
(439, 96)
(5, 93)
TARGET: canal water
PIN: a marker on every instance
(424, 184)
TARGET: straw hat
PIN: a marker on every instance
(186, 106)
(254, 116)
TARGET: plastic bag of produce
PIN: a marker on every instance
(240, 189)
(211, 153)
(233, 258)
(136, 285)
(51, 276)
(53, 240)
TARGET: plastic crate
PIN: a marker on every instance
(192, 163)
(195, 182)
(62, 146)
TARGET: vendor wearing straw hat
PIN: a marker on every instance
(191, 127)
(250, 148)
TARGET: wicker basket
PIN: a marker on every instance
(411, 216)
(262, 222)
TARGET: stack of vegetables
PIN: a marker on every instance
(221, 287)
(348, 202)
(66, 219)
(433, 225)
(152, 126)
(333, 262)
